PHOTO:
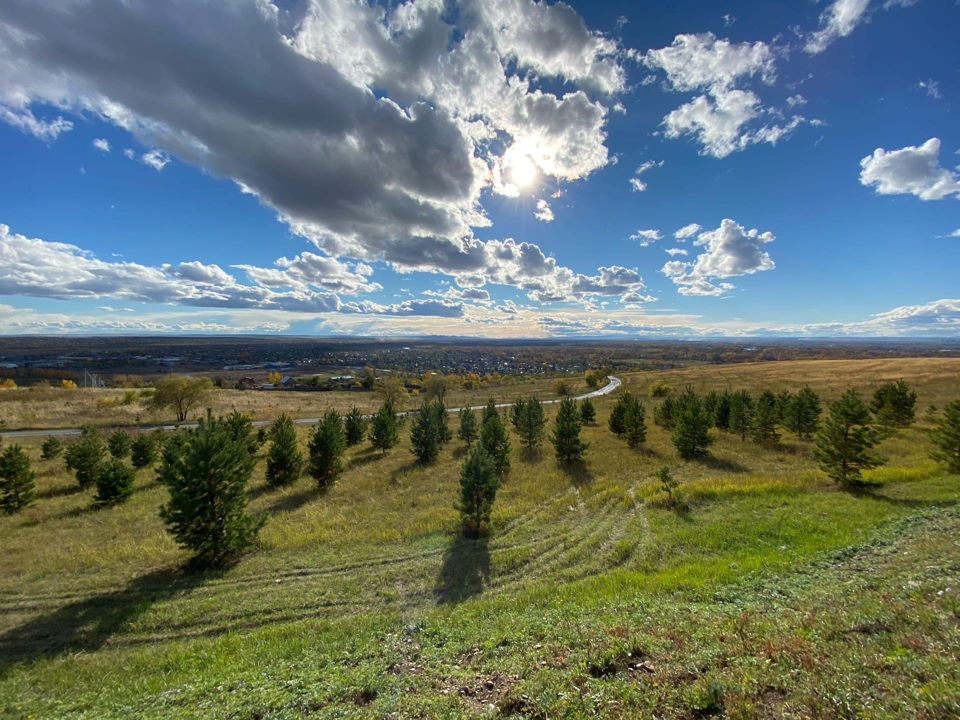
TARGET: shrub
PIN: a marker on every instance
(355, 426)
(479, 483)
(691, 434)
(843, 443)
(17, 490)
(468, 431)
(561, 387)
(946, 437)
(326, 448)
(114, 483)
(659, 389)
(51, 448)
(384, 429)
(665, 413)
(494, 438)
(119, 444)
(284, 459)
(566, 433)
(68, 384)
(143, 452)
(667, 481)
(207, 479)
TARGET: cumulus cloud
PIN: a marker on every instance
(102, 144)
(24, 120)
(368, 129)
(646, 237)
(911, 170)
(675, 251)
(638, 185)
(837, 21)
(543, 211)
(731, 251)
(686, 231)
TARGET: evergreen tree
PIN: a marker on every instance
(468, 431)
(516, 413)
(326, 448)
(142, 452)
(51, 448)
(665, 414)
(691, 434)
(16, 480)
(355, 427)
(240, 427)
(207, 479)
(159, 436)
(741, 413)
(783, 402)
(894, 404)
(114, 483)
(636, 423)
(566, 433)
(765, 419)
(531, 423)
(588, 413)
(85, 455)
(119, 444)
(479, 482)
(667, 482)
(802, 415)
(496, 442)
(384, 430)
(444, 433)
(617, 422)
(842, 446)
(711, 402)
(489, 412)
(946, 437)
(721, 413)
(284, 459)
(261, 437)
(425, 434)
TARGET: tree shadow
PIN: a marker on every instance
(715, 463)
(293, 501)
(362, 459)
(86, 625)
(406, 469)
(870, 491)
(460, 451)
(465, 570)
(577, 471)
(530, 455)
(61, 491)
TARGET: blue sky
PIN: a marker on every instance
(498, 169)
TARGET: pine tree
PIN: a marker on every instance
(384, 430)
(159, 436)
(894, 404)
(85, 455)
(51, 448)
(119, 444)
(617, 420)
(479, 482)
(207, 479)
(667, 482)
(842, 446)
(946, 437)
(711, 402)
(240, 427)
(802, 415)
(17, 490)
(691, 434)
(261, 437)
(326, 448)
(468, 431)
(741, 413)
(566, 433)
(114, 483)
(284, 459)
(355, 427)
(425, 434)
(721, 413)
(765, 419)
(783, 402)
(516, 413)
(665, 414)
(444, 434)
(531, 423)
(636, 423)
(142, 452)
(489, 412)
(494, 439)
(588, 413)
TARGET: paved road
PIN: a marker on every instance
(60, 432)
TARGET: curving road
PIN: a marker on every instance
(60, 432)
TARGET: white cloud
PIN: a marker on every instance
(102, 144)
(638, 185)
(703, 61)
(728, 20)
(130, 154)
(911, 170)
(25, 121)
(686, 231)
(954, 234)
(157, 159)
(837, 21)
(675, 251)
(543, 211)
(731, 251)
(932, 87)
(646, 237)
(795, 100)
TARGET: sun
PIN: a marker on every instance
(523, 171)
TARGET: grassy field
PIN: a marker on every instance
(24, 408)
(776, 595)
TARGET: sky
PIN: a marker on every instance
(485, 168)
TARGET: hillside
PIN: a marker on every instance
(776, 594)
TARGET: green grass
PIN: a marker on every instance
(775, 595)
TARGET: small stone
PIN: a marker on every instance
(489, 684)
